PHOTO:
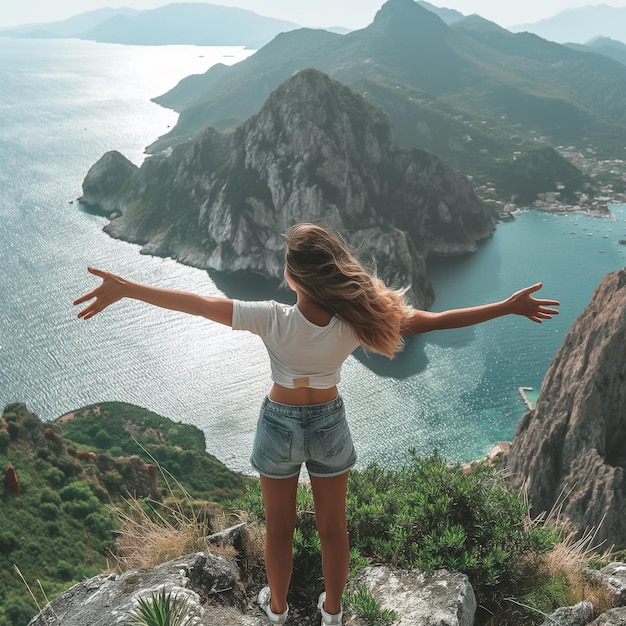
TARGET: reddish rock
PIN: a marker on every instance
(11, 481)
(574, 441)
(83, 456)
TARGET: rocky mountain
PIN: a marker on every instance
(574, 440)
(449, 16)
(580, 24)
(473, 93)
(316, 151)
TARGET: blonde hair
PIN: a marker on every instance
(324, 269)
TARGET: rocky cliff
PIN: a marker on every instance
(316, 151)
(575, 438)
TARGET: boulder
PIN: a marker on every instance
(439, 598)
(212, 586)
(613, 578)
(580, 614)
(612, 617)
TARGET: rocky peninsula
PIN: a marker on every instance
(317, 151)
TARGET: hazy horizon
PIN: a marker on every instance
(351, 14)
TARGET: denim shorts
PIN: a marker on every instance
(315, 434)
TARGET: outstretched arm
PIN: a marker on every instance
(520, 303)
(114, 288)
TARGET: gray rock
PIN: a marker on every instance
(106, 182)
(613, 578)
(107, 600)
(215, 595)
(612, 617)
(234, 536)
(575, 438)
(578, 615)
(440, 598)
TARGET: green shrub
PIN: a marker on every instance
(5, 438)
(54, 476)
(48, 495)
(43, 454)
(8, 541)
(70, 467)
(53, 529)
(19, 610)
(78, 500)
(13, 430)
(48, 510)
(162, 609)
(76, 491)
(65, 570)
(99, 524)
(429, 516)
(113, 481)
(365, 605)
(80, 509)
(103, 439)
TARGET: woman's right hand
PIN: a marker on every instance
(109, 291)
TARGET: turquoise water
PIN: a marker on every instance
(62, 105)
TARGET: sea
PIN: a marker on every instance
(63, 104)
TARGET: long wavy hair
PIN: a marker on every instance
(322, 266)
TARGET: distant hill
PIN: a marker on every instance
(580, 25)
(199, 24)
(71, 27)
(603, 45)
(471, 92)
(192, 23)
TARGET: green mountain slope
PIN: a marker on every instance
(57, 526)
(471, 92)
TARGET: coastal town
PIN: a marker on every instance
(608, 176)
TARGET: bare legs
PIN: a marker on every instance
(279, 497)
(329, 495)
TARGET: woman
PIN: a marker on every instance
(339, 306)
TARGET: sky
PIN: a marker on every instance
(312, 13)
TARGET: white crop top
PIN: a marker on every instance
(301, 353)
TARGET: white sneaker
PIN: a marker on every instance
(328, 618)
(263, 600)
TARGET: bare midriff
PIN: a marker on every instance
(302, 395)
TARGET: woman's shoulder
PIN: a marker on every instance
(263, 307)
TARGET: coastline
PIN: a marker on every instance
(589, 206)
